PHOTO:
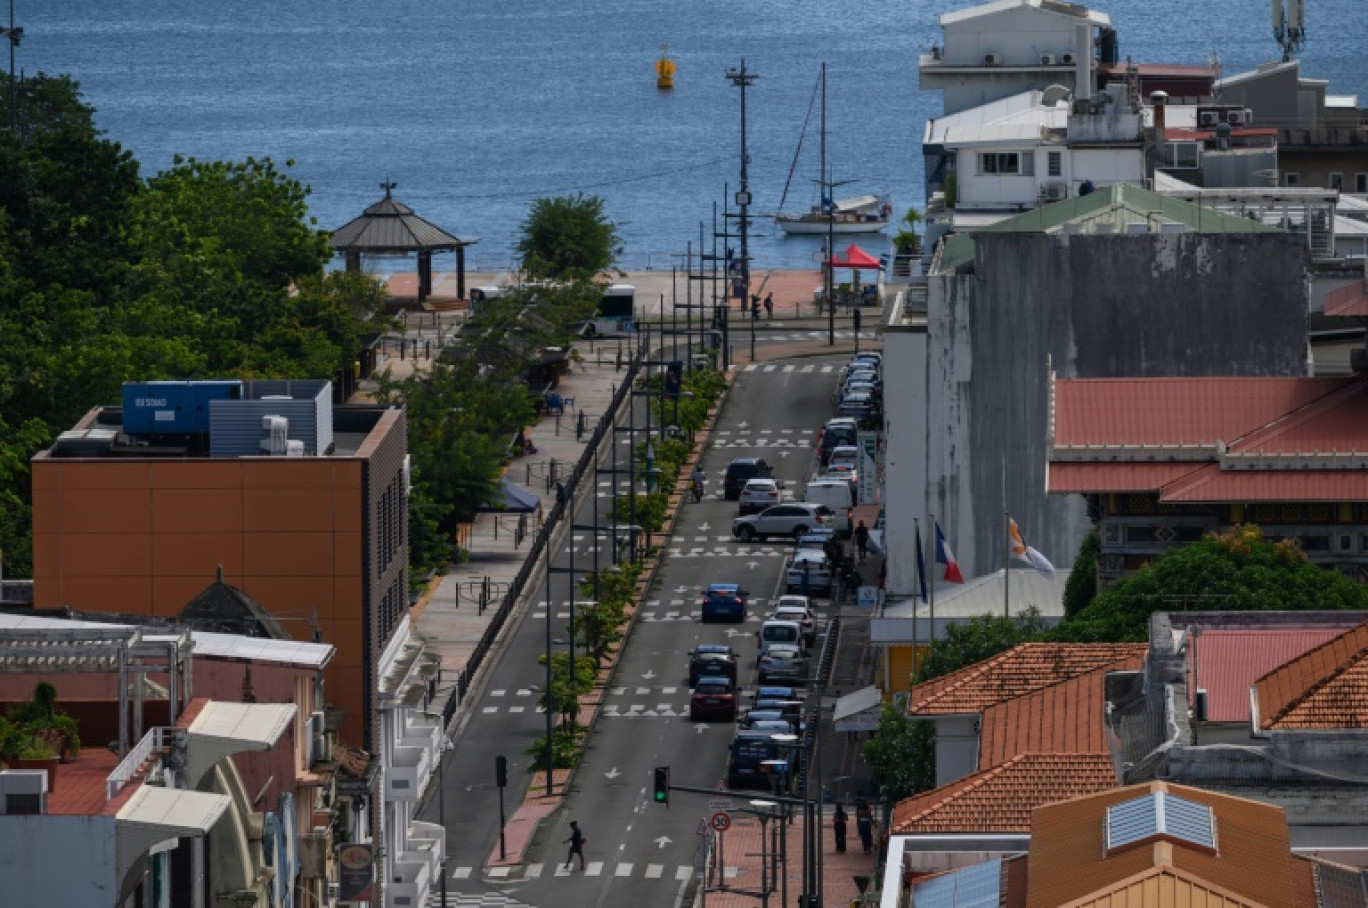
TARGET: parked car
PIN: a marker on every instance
(740, 470)
(836, 432)
(771, 719)
(859, 407)
(835, 494)
(847, 454)
(758, 494)
(793, 519)
(777, 633)
(846, 472)
(799, 612)
(747, 756)
(783, 662)
(809, 572)
(724, 602)
(790, 708)
(712, 660)
(713, 698)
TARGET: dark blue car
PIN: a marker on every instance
(724, 602)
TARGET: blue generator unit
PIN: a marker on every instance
(162, 411)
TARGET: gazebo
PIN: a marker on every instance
(390, 227)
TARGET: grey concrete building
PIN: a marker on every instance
(1121, 282)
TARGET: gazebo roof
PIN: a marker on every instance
(390, 226)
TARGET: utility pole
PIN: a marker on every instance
(16, 34)
(829, 203)
(742, 78)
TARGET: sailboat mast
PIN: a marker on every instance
(828, 291)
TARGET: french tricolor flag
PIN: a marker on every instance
(946, 557)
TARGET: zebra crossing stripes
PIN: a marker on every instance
(774, 367)
(503, 875)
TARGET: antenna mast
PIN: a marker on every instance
(1289, 26)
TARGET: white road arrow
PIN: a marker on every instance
(662, 841)
(612, 774)
(703, 527)
(752, 564)
(783, 454)
(649, 675)
(742, 425)
(682, 589)
(700, 728)
(733, 632)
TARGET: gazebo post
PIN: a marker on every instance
(460, 273)
(353, 260)
(424, 274)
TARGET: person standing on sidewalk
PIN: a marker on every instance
(769, 305)
(576, 842)
(838, 826)
(864, 822)
(862, 541)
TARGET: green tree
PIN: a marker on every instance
(977, 639)
(1081, 587)
(901, 753)
(567, 238)
(1235, 571)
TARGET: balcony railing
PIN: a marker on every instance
(128, 766)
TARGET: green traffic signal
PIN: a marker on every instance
(662, 785)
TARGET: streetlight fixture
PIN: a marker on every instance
(743, 78)
(764, 811)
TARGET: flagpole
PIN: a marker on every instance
(931, 595)
(1006, 564)
(916, 598)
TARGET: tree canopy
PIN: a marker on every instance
(1235, 571)
(567, 238)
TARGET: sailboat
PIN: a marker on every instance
(859, 214)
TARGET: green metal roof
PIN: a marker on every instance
(1118, 204)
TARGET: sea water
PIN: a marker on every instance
(475, 109)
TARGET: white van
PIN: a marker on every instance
(836, 494)
(776, 631)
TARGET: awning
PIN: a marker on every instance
(222, 729)
(511, 498)
(153, 815)
(859, 711)
(856, 258)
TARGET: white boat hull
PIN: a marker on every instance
(816, 226)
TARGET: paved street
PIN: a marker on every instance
(638, 852)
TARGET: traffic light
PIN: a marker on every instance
(662, 785)
(501, 771)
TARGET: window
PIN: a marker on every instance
(1056, 164)
(1292, 179)
(1009, 163)
(1337, 182)
(1361, 182)
(1182, 155)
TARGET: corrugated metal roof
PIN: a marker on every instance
(1072, 10)
(1118, 202)
(391, 226)
(1325, 687)
(1115, 477)
(1229, 661)
(171, 812)
(1132, 412)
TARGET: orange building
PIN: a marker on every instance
(303, 504)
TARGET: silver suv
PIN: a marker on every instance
(793, 519)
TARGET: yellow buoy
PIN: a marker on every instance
(665, 68)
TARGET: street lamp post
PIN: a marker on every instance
(742, 78)
(764, 812)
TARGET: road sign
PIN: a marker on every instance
(720, 803)
(867, 596)
(721, 822)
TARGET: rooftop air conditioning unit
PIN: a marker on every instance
(1208, 118)
(1238, 117)
(277, 429)
(318, 738)
(1047, 59)
(1068, 59)
(992, 59)
(1056, 191)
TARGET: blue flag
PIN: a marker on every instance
(921, 566)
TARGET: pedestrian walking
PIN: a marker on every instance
(864, 822)
(862, 540)
(769, 305)
(838, 826)
(576, 842)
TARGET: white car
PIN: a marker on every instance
(792, 519)
(802, 614)
(758, 494)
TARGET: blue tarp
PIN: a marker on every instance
(511, 499)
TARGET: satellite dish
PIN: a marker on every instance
(1052, 95)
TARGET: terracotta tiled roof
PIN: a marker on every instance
(1069, 863)
(1228, 662)
(80, 786)
(1066, 718)
(1014, 673)
(1114, 477)
(1165, 887)
(1215, 485)
(1175, 411)
(1350, 301)
(1326, 687)
(1001, 799)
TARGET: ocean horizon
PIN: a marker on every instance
(476, 111)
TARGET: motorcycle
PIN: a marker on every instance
(697, 490)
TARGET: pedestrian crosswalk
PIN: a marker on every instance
(530, 872)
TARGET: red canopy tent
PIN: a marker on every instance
(857, 260)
